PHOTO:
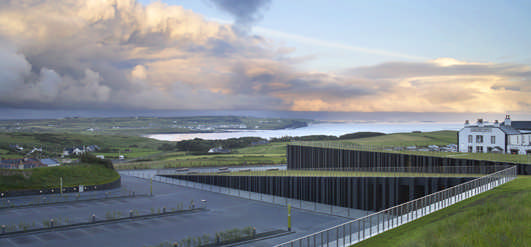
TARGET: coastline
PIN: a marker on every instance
(320, 128)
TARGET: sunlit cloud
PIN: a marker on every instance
(120, 53)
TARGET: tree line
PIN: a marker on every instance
(201, 146)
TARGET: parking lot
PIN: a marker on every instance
(223, 213)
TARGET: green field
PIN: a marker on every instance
(439, 138)
(500, 217)
(49, 177)
(205, 161)
(147, 125)
(278, 148)
(272, 153)
(54, 143)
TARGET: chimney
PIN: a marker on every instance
(467, 122)
(496, 123)
(507, 121)
(480, 122)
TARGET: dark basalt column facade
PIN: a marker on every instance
(306, 157)
(366, 193)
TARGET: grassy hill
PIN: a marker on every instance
(54, 143)
(405, 139)
(500, 217)
(146, 125)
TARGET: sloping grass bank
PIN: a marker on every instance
(206, 161)
(49, 177)
(500, 217)
(303, 173)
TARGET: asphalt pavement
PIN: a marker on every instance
(223, 212)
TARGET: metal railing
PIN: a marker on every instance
(279, 200)
(392, 171)
(363, 228)
(372, 224)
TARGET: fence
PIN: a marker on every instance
(279, 200)
(363, 228)
(368, 223)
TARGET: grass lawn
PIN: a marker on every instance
(500, 217)
(131, 154)
(48, 177)
(407, 139)
(271, 148)
(272, 153)
(205, 161)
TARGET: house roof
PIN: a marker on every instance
(516, 127)
(49, 161)
(26, 162)
(521, 125)
(509, 130)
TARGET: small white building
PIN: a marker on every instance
(483, 137)
(50, 162)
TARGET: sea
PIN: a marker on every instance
(335, 129)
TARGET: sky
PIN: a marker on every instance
(266, 55)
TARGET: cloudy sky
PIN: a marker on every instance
(351, 56)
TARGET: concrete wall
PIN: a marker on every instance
(304, 157)
(366, 193)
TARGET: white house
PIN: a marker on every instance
(483, 137)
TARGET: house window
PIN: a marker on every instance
(470, 149)
(493, 140)
(470, 139)
(479, 139)
(479, 149)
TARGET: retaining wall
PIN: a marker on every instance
(112, 185)
(306, 157)
(366, 193)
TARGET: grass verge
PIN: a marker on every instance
(49, 177)
(299, 173)
(206, 161)
(500, 217)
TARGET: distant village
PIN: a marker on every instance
(32, 161)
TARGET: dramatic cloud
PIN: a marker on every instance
(246, 13)
(119, 53)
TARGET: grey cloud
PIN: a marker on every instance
(246, 12)
(87, 61)
(279, 80)
(509, 88)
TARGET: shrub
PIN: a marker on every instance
(92, 159)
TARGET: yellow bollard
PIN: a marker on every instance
(289, 217)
